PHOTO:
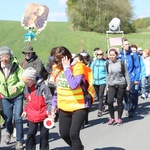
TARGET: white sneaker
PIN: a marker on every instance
(14, 133)
(149, 95)
(143, 96)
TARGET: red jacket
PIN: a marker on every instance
(38, 99)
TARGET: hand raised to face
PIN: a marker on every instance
(65, 61)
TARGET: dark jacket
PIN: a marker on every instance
(34, 62)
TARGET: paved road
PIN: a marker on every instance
(134, 134)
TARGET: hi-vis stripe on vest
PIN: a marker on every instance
(71, 100)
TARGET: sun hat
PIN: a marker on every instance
(28, 49)
(140, 49)
(5, 50)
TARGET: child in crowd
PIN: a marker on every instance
(38, 107)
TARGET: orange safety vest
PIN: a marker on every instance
(68, 99)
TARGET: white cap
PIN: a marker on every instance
(84, 54)
(140, 49)
(73, 55)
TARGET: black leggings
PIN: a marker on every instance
(99, 89)
(70, 124)
(115, 92)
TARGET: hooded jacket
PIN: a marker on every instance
(38, 99)
(13, 79)
(99, 71)
(115, 76)
(133, 65)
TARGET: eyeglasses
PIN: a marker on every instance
(5, 56)
(99, 54)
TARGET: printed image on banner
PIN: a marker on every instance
(35, 17)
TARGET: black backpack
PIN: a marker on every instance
(44, 73)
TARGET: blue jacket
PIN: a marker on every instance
(142, 68)
(99, 71)
(132, 63)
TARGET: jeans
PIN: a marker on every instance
(130, 98)
(14, 105)
(70, 124)
(136, 95)
(148, 83)
(142, 83)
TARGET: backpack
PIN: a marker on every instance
(122, 67)
(139, 57)
(44, 73)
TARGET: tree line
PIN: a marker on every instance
(95, 15)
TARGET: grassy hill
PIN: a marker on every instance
(60, 34)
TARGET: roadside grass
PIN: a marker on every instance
(61, 34)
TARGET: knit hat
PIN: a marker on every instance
(5, 50)
(29, 74)
(28, 49)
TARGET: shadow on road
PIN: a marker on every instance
(11, 147)
(142, 110)
(62, 148)
(110, 148)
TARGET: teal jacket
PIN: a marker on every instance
(99, 71)
(14, 79)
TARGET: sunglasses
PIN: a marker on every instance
(99, 54)
(56, 62)
(27, 53)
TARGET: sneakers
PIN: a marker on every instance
(99, 114)
(111, 121)
(149, 95)
(143, 96)
(7, 138)
(126, 113)
(119, 122)
(19, 146)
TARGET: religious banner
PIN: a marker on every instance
(34, 20)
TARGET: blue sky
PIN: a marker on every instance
(14, 9)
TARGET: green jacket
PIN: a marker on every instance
(14, 79)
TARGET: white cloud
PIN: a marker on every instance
(59, 14)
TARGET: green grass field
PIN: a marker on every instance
(61, 34)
